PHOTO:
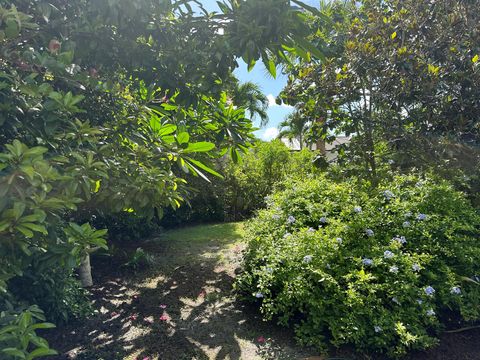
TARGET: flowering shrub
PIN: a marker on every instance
(374, 268)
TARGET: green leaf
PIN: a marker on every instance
(14, 352)
(41, 352)
(25, 231)
(202, 146)
(204, 167)
(183, 138)
(270, 65)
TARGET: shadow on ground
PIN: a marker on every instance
(183, 308)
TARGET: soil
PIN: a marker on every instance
(184, 307)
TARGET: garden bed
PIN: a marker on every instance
(183, 308)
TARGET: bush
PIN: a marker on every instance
(376, 268)
(56, 291)
(245, 184)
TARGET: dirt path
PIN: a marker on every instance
(183, 308)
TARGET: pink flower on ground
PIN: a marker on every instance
(135, 297)
(163, 306)
(261, 339)
(202, 293)
(164, 317)
(133, 317)
(113, 314)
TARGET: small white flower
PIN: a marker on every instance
(311, 230)
(388, 194)
(395, 300)
(377, 329)
(259, 295)
(323, 220)
(276, 217)
(287, 235)
(430, 312)
(369, 232)
(339, 240)
(416, 267)
(455, 290)
(291, 219)
(406, 224)
(388, 254)
(394, 269)
(307, 259)
(357, 209)
(400, 239)
(419, 301)
(408, 214)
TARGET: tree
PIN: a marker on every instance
(400, 77)
(104, 105)
(249, 96)
(295, 126)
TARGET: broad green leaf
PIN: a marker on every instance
(202, 146)
(204, 167)
(183, 138)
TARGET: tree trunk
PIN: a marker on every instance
(85, 272)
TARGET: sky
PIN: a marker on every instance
(270, 86)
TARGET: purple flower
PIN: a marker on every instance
(369, 232)
(394, 269)
(430, 312)
(290, 220)
(429, 291)
(455, 290)
(388, 254)
(406, 224)
(377, 329)
(307, 259)
(311, 230)
(416, 267)
(421, 217)
(357, 209)
(367, 262)
(259, 295)
(323, 220)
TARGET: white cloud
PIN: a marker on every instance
(270, 134)
(272, 103)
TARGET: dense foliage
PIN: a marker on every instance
(400, 76)
(379, 268)
(105, 106)
(245, 185)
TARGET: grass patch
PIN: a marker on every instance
(204, 234)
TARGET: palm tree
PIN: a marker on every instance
(295, 126)
(249, 96)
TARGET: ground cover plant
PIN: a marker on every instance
(378, 268)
